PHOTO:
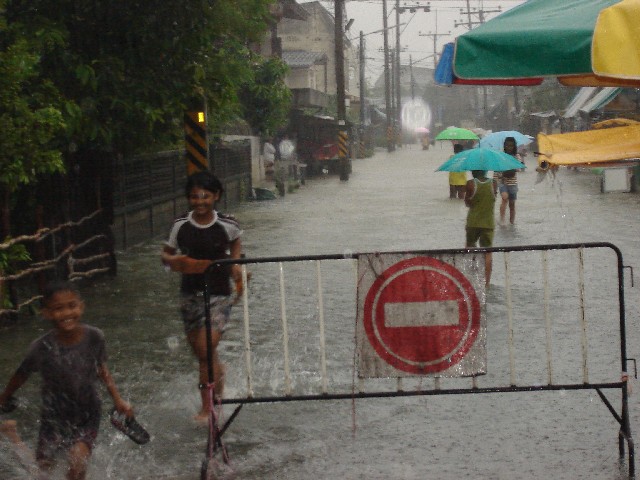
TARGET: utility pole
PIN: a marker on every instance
(398, 130)
(387, 78)
(398, 69)
(361, 144)
(413, 93)
(392, 68)
(387, 82)
(434, 37)
(470, 13)
(362, 79)
(343, 151)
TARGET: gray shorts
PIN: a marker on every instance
(193, 314)
(512, 190)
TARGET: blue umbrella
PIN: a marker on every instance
(495, 140)
(480, 159)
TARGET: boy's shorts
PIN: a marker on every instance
(484, 235)
(52, 439)
(512, 190)
(193, 314)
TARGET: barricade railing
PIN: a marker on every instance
(552, 312)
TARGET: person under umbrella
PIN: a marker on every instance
(507, 182)
(457, 180)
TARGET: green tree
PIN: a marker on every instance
(550, 95)
(119, 76)
(133, 67)
(30, 121)
(266, 100)
(30, 116)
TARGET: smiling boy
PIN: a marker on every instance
(71, 358)
(196, 239)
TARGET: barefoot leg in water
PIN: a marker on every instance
(9, 430)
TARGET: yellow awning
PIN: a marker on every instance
(615, 122)
(591, 147)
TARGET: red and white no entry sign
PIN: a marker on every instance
(421, 315)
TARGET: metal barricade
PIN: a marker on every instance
(553, 310)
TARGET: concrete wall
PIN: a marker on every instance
(257, 161)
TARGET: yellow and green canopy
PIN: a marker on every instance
(582, 42)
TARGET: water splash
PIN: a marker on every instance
(173, 343)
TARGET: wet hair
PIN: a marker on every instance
(457, 148)
(56, 286)
(512, 140)
(204, 180)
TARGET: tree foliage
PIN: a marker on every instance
(266, 100)
(133, 67)
(30, 116)
(550, 95)
(84, 81)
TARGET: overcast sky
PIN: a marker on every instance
(416, 35)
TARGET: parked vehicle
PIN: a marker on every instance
(317, 142)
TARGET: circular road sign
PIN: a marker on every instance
(421, 315)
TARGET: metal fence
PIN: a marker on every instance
(149, 189)
(73, 250)
(561, 340)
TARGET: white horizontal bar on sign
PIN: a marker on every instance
(421, 314)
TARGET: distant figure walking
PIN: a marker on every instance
(508, 183)
(285, 156)
(425, 141)
(269, 156)
(457, 180)
(480, 197)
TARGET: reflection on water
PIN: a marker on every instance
(391, 202)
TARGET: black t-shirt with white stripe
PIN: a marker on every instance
(205, 242)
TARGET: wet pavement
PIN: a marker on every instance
(391, 202)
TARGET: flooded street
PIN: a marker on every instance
(392, 202)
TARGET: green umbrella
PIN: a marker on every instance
(456, 133)
(578, 41)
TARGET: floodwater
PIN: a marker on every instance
(392, 202)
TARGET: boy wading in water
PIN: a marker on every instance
(196, 239)
(480, 197)
(71, 358)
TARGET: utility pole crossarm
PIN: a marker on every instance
(479, 13)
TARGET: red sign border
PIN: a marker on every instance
(439, 266)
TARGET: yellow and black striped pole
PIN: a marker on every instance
(343, 154)
(195, 137)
